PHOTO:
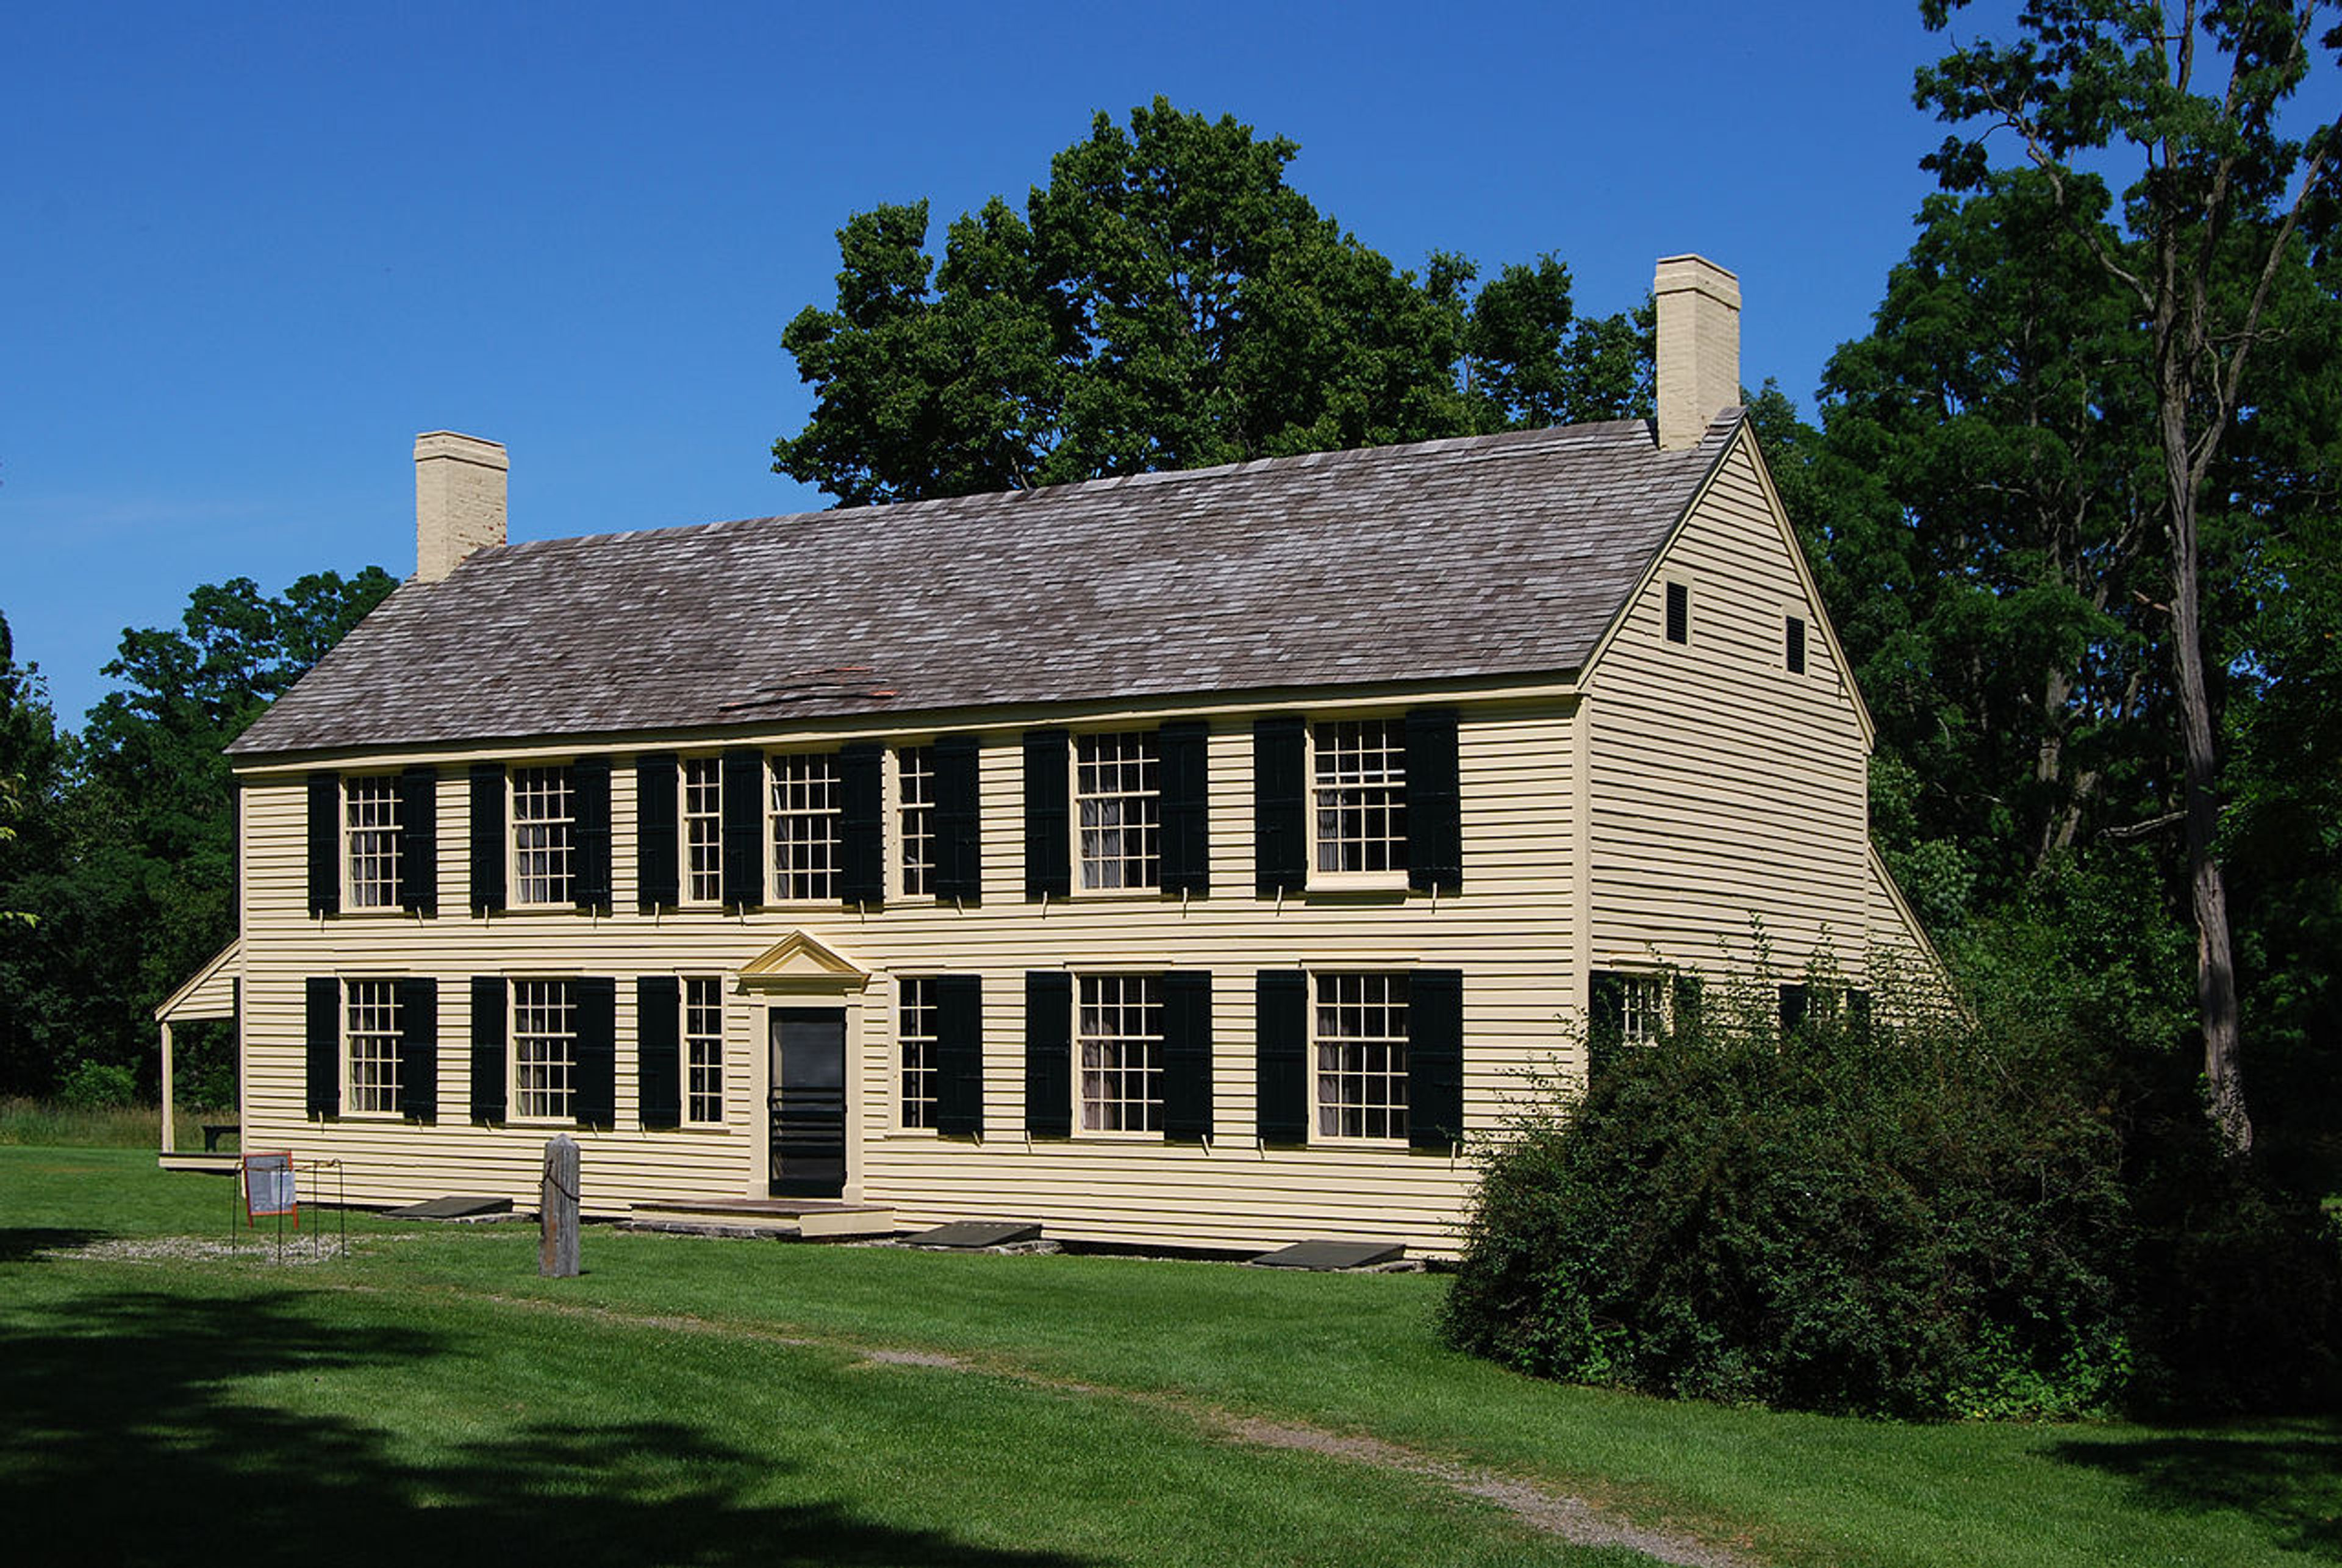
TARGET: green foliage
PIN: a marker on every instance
(2017, 1211)
(1857, 1219)
(96, 1086)
(125, 854)
(1166, 300)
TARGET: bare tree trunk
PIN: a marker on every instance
(2207, 889)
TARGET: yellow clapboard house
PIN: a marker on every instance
(1197, 859)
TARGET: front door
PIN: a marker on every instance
(808, 1102)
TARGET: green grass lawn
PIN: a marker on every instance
(718, 1402)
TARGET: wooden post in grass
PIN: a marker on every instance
(556, 1252)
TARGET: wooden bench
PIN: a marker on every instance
(215, 1131)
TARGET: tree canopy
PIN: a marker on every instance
(126, 858)
(1167, 300)
(2222, 229)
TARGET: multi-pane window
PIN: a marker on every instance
(703, 1050)
(543, 1050)
(915, 1034)
(1117, 790)
(914, 772)
(543, 835)
(1641, 1003)
(1361, 1040)
(370, 840)
(370, 1034)
(702, 829)
(1120, 1038)
(804, 819)
(1360, 782)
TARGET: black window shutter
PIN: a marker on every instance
(487, 1048)
(418, 1049)
(1281, 1056)
(325, 1038)
(744, 828)
(1280, 807)
(487, 837)
(1605, 1017)
(1048, 815)
(959, 1055)
(1434, 1058)
(1687, 1000)
(1795, 651)
(1184, 747)
(589, 781)
(596, 1099)
(959, 819)
(658, 1049)
(658, 870)
(324, 842)
(862, 800)
(1435, 827)
(418, 831)
(1186, 1055)
(1678, 612)
(1794, 999)
(1049, 1053)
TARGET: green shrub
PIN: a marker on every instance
(97, 1086)
(1857, 1218)
(1991, 1215)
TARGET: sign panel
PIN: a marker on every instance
(268, 1187)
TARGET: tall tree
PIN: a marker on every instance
(2192, 97)
(1986, 511)
(128, 854)
(1167, 301)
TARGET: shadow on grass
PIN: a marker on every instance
(25, 1243)
(133, 1435)
(2286, 1476)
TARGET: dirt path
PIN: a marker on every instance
(1538, 1506)
(1551, 1513)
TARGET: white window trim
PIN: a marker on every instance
(897, 842)
(1074, 1031)
(769, 833)
(513, 1115)
(683, 896)
(723, 1053)
(1074, 814)
(896, 1126)
(1316, 880)
(397, 1112)
(1316, 1138)
(349, 904)
(513, 881)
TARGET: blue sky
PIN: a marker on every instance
(251, 250)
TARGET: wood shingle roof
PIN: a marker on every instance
(1498, 556)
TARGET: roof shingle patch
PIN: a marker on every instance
(1477, 556)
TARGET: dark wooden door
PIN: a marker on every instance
(808, 1102)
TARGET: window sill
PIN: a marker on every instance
(1109, 1135)
(1083, 894)
(1340, 883)
(399, 1118)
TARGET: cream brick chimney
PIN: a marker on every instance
(459, 500)
(1699, 346)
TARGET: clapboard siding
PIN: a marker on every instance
(1512, 929)
(1726, 791)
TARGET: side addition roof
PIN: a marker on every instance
(1486, 556)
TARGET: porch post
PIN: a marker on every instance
(167, 1139)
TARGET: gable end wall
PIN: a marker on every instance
(1726, 791)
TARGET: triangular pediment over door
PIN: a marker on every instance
(801, 962)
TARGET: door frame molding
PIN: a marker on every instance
(801, 972)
